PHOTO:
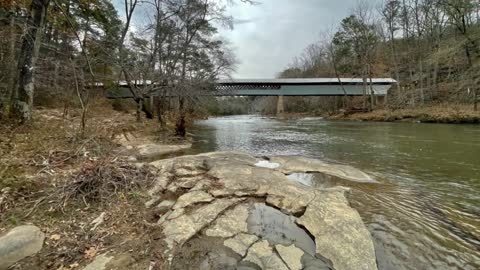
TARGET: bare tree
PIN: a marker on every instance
(23, 94)
(391, 13)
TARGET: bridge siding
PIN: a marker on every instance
(310, 90)
(285, 90)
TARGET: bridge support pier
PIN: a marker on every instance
(280, 106)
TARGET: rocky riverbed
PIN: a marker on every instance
(229, 210)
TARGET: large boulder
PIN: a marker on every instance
(19, 243)
(340, 235)
(257, 216)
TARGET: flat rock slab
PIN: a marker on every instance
(122, 261)
(233, 222)
(150, 151)
(262, 255)
(193, 197)
(99, 263)
(339, 232)
(289, 164)
(241, 243)
(19, 243)
(182, 228)
(291, 255)
(215, 192)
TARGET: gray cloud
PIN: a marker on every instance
(242, 21)
(280, 31)
(266, 37)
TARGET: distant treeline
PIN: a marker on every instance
(431, 47)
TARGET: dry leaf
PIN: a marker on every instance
(55, 237)
(74, 265)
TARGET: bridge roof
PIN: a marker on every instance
(307, 81)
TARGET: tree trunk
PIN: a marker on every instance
(394, 58)
(160, 110)
(435, 78)
(139, 109)
(11, 59)
(372, 94)
(180, 129)
(422, 95)
(475, 99)
(137, 95)
(23, 97)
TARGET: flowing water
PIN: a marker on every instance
(425, 211)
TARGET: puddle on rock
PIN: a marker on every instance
(278, 228)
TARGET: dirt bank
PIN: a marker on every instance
(81, 190)
(100, 205)
(432, 114)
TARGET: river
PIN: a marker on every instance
(425, 211)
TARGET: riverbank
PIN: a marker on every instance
(85, 193)
(99, 202)
(447, 114)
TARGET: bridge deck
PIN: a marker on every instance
(281, 87)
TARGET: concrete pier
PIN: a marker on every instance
(280, 105)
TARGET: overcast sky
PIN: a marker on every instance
(269, 35)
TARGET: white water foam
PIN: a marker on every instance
(267, 164)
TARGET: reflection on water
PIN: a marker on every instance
(278, 228)
(424, 213)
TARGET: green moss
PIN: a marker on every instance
(14, 220)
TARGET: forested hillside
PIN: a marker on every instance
(64, 53)
(431, 47)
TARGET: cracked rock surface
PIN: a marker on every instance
(224, 212)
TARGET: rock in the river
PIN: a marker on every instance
(291, 255)
(184, 227)
(20, 242)
(231, 223)
(290, 165)
(192, 198)
(262, 255)
(164, 206)
(339, 232)
(240, 243)
(219, 188)
(253, 181)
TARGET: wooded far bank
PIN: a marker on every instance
(54, 53)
